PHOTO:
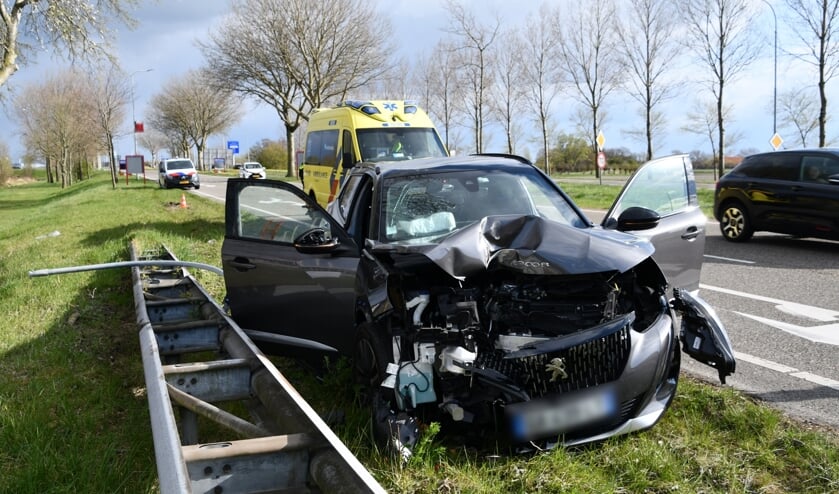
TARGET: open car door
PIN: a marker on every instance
(289, 268)
(659, 203)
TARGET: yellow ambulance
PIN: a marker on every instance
(337, 138)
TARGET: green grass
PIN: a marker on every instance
(595, 196)
(74, 416)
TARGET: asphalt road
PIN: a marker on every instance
(777, 297)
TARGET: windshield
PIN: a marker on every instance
(425, 208)
(252, 166)
(395, 144)
(179, 165)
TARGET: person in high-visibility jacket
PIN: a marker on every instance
(396, 148)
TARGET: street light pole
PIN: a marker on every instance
(133, 117)
(775, 86)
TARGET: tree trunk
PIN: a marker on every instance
(545, 146)
(289, 146)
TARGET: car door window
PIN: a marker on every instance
(659, 185)
(817, 169)
(358, 221)
(277, 215)
(321, 147)
(776, 167)
(346, 195)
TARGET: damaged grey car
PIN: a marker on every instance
(472, 291)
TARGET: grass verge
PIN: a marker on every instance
(591, 196)
(74, 417)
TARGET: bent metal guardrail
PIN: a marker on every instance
(197, 361)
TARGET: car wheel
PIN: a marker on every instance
(197, 187)
(735, 224)
(370, 360)
(395, 433)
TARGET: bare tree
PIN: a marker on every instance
(589, 57)
(541, 72)
(507, 95)
(155, 141)
(703, 120)
(188, 107)
(399, 82)
(649, 48)
(111, 95)
(475, 41)
(58, 120)
(816, 24)
(445, 90)
(798, 110)
(295, 55)
(77, 26)
(719, 34)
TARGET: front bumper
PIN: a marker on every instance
(182, 181)
(634, 401)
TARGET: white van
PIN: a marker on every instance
(177, 172)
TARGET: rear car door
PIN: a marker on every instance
(667, 186)
(816, 200)
(289, 268)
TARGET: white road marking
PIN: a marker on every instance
(821, 381)
(817, 313)
(827, 333)
(792, 308)
(743, 261)
(790, 371)
(768, 364)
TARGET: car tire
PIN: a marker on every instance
(735, 224)
(370, 358)
(392, 432)
(197, 187)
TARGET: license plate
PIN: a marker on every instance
(547, 417)
(184, 182)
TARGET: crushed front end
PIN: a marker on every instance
(535, 354)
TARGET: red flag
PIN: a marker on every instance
(138, 127)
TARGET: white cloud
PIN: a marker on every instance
(165, 42)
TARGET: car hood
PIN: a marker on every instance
(529, 244)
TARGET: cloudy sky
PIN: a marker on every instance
(164, 41)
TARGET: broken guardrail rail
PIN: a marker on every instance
(198, 362)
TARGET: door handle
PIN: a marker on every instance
(242, 264)
(691, 233)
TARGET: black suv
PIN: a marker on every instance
(792, 192)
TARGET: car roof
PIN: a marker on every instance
(453, 163)
(833, 151)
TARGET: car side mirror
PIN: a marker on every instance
(636, 218)
(315, 241)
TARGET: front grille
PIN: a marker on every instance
(587, 365)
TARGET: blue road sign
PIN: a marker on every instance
(233, 146)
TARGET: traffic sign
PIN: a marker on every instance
(601, 160)
(601, 140)
(233, 146)
(776, 141)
